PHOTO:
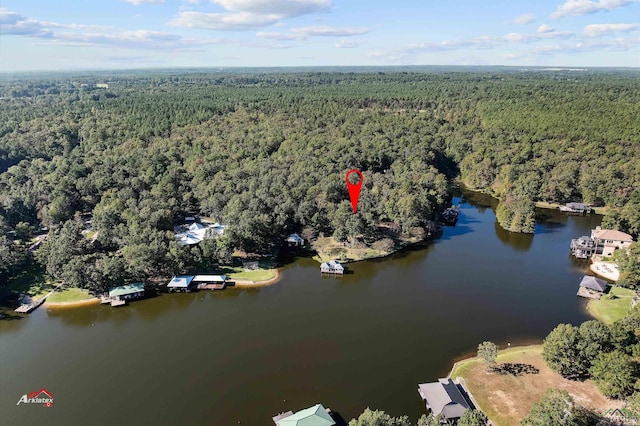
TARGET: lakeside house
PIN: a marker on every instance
(295, 240)
(601, 242)
(312, 416)
(332, 267)
(180, 283)
(609, 240)
(583, 247)
(120, 295)
(579, 208)
(192, 233)
(445, 398)
(592, 287)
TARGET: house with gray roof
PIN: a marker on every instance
(444, 397)
(592, 287)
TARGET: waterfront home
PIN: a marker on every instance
(445, 398)
(120, 295)
(210, 282)
(332, 267)
(295, 240)
(312, 416)
(609, 240)
(583, 247)
(592, 287)
(189, 234)
(579, 208)
(180, 283)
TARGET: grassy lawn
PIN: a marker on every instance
(328, 248)
(545, 205)
(507, 398)
(237, 272)
(612, 306)
(69, 295)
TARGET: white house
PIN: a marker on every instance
(196, 232)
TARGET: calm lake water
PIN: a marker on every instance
(366, 339)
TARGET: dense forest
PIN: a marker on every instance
(266, 155)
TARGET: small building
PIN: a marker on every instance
(609, 240)
(592, 287)
(583, 247)
(579, 208)
(180, 283)
(210, 282)
(312, 416)
(102, 85)
(332, 267)
(120, 295)
(444, 397)
(295, 240)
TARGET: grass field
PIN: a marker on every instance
(612, 306)
(237, 272)
(328, 248)
(545, 205)
(69, 295)
(507, 398)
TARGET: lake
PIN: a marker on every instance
(362, 340)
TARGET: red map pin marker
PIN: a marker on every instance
(354, 189)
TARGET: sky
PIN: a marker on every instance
(122, 34)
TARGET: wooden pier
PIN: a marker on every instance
(218, 286)
(26, 308)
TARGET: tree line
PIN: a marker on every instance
(266, 154)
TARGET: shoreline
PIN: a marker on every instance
(243, 283)
(71, 304)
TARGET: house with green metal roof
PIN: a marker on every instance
(129, 291)
(119, 296)
(312, 416)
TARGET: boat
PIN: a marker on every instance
(450, 215)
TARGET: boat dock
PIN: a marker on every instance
(26, 308)
(575, 208)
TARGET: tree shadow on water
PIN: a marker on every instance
(515, 369)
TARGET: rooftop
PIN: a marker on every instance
(123, 290)
(180, 281)
(444, 397)
(610, 234)
(593, 283)
(312, 416)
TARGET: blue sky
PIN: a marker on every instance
(108, 34)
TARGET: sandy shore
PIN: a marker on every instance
(250, 283)
(73, 304)
(606, 269)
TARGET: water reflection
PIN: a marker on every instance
(515, 240)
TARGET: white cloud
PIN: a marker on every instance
(596, 30)
(190, 1)
(223, 21)
(302, 33)
(141, 2)
(523, 19)
(14, 24)
(247, 15)
(584, 7)
(282, 8)
(544, 28)
(486, 42)
(349, 44)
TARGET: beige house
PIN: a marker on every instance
(609, 240)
